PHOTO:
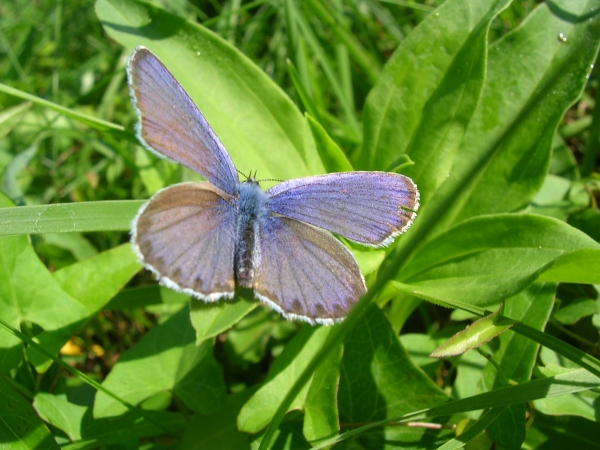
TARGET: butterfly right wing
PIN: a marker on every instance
(303, 272)
(185, 235)
(172, 126)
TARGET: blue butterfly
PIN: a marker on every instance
(204, 238)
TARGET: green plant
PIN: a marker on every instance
(473, 123)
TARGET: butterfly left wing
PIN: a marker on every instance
(303, 272)
(185, 235)
(172, 126)
(370, 208)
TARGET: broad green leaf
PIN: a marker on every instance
(517, 354)
(258, 124)
(77, 422)
(210, 319)
(248, 341)
(490, 258)
(532, 78)
(426, 95)
(582, 404)
(475, 335)
(61, 413)
(92, 283)
(547, 432)
(27, 299)
(20, 427)
(9, 117)
(562, 384)
(75, 243)
(320, 409)
(376, 373)
(572, 312)
(67, 217)
(165, 359)
(368, 260)
(582, 266)
(218, 429)
(288, 436)
(331, 154)
(258, 411)
(515, 360)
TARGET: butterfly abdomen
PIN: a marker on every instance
(251, 207)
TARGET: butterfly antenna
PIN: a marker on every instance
(270, 179)
(243, 174)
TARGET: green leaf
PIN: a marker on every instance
(218, 429)
(20, 427)
(67, 217)
(258, 411)
(562, 384)
(320, 408)
(92, 283)
(93, 122)
(9, 117)
(77, 422)
(515, 359)
(532, 78)
(368, 260)
(563, 432)
(210, 319)
(375, 374)
(61, 413)
(426, 95)
(10, 186)
(166, 358)
(331, 154)
(581, 266)
(27, 299)
(475, 335)
(583, 404)
(490, 258)
(258, 124)
(75, 243)
(571, 313)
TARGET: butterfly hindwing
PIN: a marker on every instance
(172, 126)
(370, 208)
(185, 234)
(305, 273)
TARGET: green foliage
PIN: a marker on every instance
(490, 106)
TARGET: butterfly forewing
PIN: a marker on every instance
(186, 235)
(305, 273)
(366, 207)
(171, 125)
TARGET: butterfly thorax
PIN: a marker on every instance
(251, 210)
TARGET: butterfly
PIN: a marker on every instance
(205, 238)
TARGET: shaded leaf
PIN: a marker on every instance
(258, 124)
(20, 427)
(210, 319)
(424, 113)
(379, 381)
(92, 283)
(165, 359)
(258, 411)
